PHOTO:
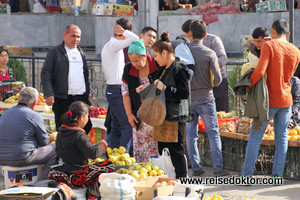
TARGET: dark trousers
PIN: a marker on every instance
(176, 150)
(221, 96)
(120, 130)
(61, 106)
(45, 155)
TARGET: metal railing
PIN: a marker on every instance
(33, 65)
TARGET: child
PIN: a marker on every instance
(73, 146)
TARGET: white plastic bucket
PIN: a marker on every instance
(26, 175)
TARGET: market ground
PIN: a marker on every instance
(288, 191)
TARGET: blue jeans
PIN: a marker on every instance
(121, 130)
(207, 111)
(281, 120)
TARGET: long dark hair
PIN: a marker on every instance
(163, 44)
(76, 110)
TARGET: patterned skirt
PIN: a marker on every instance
(81, 177)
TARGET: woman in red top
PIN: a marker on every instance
(5, 72)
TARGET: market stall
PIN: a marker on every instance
(234, 135)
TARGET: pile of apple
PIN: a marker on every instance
(119, 157)
(164, 183)
(98, 112)
(142, 170)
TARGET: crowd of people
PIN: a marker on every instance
(190, 93)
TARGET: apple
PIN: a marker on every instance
(128, 161)
(138, 167)
(116, 150)
(152, 173)
(135, 174)
(157, 185)
(122, 150)
(172, 182)
(148, 168)
(143, 170)
(163, 183)
(109, 150)
(149, 163)
(132, 160)
(118, 163)
(155, 167)
(160, 172)
(112, 158)
(143, 175)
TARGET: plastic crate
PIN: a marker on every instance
(202, 128)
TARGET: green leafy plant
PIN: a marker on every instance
(18, 69)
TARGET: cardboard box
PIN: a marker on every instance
(19, 51)
(122, 10)
(4, 8)
(271, 6)
(146, 191)
(28, 193)
(102, 9)
(277, 5)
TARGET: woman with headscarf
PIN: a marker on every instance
(139, 73)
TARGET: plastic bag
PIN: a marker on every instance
(165, 163)
(153, 109)
(117, 186)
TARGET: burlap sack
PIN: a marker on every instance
(166, 132)
(153, 109)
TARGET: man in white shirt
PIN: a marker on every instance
(64, 76)
(113, 65)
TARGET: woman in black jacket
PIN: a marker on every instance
(174, 79)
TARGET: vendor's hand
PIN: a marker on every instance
(140, 88)
(104, 142)
(50, 100)
(159, 85)
(53, 137)
(118, 29)
(132, 120)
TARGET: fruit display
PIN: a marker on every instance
(142, 170)
(14, 99)
(243, 125)
(225, 115)
(41, 101)
(294, 134)
(228, 127)
(119, 157)
(98, 112)
(214, 197)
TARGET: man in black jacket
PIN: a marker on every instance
(64, 76)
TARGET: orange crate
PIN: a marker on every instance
(202, 128)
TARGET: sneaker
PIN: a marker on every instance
(278, 180)
(198, 173)
(221, 173)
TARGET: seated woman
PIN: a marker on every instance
(5, 72)
(73, 146)
(138, 74)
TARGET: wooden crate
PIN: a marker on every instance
(19, 51)
(234, 149)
